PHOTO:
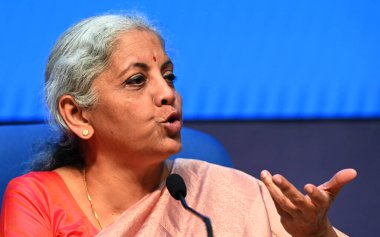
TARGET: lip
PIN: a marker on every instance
(173, 123)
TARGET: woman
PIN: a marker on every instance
(109, 86)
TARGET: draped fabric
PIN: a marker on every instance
(39, 204)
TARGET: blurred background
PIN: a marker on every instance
(289, 86)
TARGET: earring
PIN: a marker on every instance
(85, 132)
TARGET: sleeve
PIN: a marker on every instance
(23, 211)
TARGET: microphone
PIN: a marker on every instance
(177, 189)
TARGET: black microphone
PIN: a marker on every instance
(177, 189)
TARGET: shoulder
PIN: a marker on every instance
(217, 178)
(39, 204)
(217, 190)
(33, 180)
(32, 193)
(32, 186)
(201, 169)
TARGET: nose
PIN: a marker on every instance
(165, 93)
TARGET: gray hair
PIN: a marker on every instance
(80, 55)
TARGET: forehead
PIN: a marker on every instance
(135, 47)
(137, 41)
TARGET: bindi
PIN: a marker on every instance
(154, 58)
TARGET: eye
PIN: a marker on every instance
(136, 80)
(170, 78)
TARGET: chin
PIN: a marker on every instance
(173, 148)
(177, 149)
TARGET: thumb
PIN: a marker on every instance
(336, 183)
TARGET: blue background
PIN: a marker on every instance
(243, 60)
(234, 60)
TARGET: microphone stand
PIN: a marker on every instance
(205, 219)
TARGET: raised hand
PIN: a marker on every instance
(306, 215)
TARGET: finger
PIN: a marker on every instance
(318, 197)
(282, 212)
(278, 197)
(291, 192)
(335, 184)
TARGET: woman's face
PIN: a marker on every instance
(138, 112)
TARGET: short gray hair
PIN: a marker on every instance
(81, 54)
(78, 57)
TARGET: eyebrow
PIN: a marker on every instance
(166, 64)
(145, 67)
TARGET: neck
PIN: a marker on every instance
(114, 189)
(121, 187)
(116, 179)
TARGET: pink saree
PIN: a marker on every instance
(40, 204)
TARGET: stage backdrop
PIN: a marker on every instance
(234, 59)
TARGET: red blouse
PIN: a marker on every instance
(40, 204)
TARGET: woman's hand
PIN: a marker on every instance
(306, 215)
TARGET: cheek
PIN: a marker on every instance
(133, 116)
(127, 123)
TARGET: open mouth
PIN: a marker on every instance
(173, 123)
(173, 118)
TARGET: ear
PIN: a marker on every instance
(74, 117)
